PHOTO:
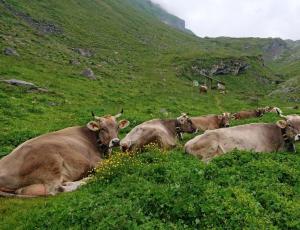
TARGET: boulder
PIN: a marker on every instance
(88, 73)
(32, 87)
(10, 52)
(21, 83)
(83, 52)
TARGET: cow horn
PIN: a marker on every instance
(119, 114)
(94, 116)
(279, 112)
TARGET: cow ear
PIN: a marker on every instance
(93, 126)
(123, 124)
(281, 124)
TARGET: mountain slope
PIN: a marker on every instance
(146, 67)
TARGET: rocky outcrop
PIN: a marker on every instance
(274, 50)
(43, 27)
(222, 67)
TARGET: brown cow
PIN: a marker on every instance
(258, 137)
(161, 132)
(203, 89)
(55, 162)
(211, 121)
(249, 114)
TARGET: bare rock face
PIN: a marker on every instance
(10, 52)
(88, 73)
(220, 67)
(83, 52)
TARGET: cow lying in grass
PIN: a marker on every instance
(162, 132)
(253, 137)
(55, 162)
(211, 121)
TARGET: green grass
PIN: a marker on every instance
(138, 62)
(171, 190)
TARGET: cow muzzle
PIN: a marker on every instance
(114, 143)
(297, 137)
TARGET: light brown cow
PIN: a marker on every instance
(249, 114)
(203, 89)
(55, 162)
(162, 132)
(253, 137)
(212, 121)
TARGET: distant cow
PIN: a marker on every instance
(162, 132)
(252, 137)
(211, 121)
(55, 162)
(203, 89)
(249, 114)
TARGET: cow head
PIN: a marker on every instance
(291, 125)
(107, 129)
(224, 120)
(185, 124)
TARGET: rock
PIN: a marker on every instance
(10, 52)
(32, 87)
(83, 52)
(21, 83)
(74, 62)
(88, 73)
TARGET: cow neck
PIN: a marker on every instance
(173, 127)
(289, 145)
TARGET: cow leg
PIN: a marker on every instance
(33, 190)
(166, 143)
(72, 186)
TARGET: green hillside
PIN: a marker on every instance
(147, 67)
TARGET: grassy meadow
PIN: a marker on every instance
(141, 66)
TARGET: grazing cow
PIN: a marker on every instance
(55, 162)
(249, 114)
(212, 121)
(161, 132)
(258, 137)
(203, 89)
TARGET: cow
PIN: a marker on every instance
(58, 161)
(249, 114)
(203, 89)
(158, 131)
(259, 137)
(212, 121)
